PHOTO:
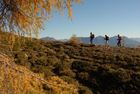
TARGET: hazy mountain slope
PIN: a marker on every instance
(48, 39)
(99, 40)
(128, 42)
(136, 39)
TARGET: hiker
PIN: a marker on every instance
(119, 40)
(91, 37)
(106, 39)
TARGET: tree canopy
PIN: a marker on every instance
(26, 17)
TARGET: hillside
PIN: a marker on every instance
(15, 79)
(92, 69)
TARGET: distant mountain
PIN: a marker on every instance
(99, 40)
(48, 39)
(53, 39)
(136, 39)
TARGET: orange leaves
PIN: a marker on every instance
(69, 7)
(27, 16)
(35, 1)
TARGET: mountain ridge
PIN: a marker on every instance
(99, 40)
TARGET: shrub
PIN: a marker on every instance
(42, 60)
(22, 59)
(67, 72)
(84, 90)
(83, 75)
(82, 65)
(52, 60)
(122, 75)
(47, 89)
(69, 80)
(74, 40)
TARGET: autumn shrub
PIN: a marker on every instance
(129, 59)
(48, 45)
(74, 40)
(48, 90)
(82, 65)
(37, 68)
(67, 72)
(17, 46)
(119, 57)
(61, 51)
(42, 60)
(84, 90)
(64, 69)
(69, 80)
(52, 60)
(121, 75)
(48, 72)
(136, 78)
(21, 58)
(84, 76)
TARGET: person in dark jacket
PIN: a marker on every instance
(92, 36)
(119, 40)
(106, 39)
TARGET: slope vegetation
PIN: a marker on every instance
(15, 79)
(93, 69)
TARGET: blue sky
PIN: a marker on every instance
(101, 17)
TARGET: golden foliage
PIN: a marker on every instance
(61, 87)
(26, 17)
(74, 40)
(16, 79)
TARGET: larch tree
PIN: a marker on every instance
(26, 17)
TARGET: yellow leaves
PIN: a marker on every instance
(69, 7)
(17, 79)
(27, 16)
(59, 4)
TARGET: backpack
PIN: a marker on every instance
(92, 36)
(107, 38)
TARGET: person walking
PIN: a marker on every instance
(119, 40)
(92, 36)
(106, 39)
